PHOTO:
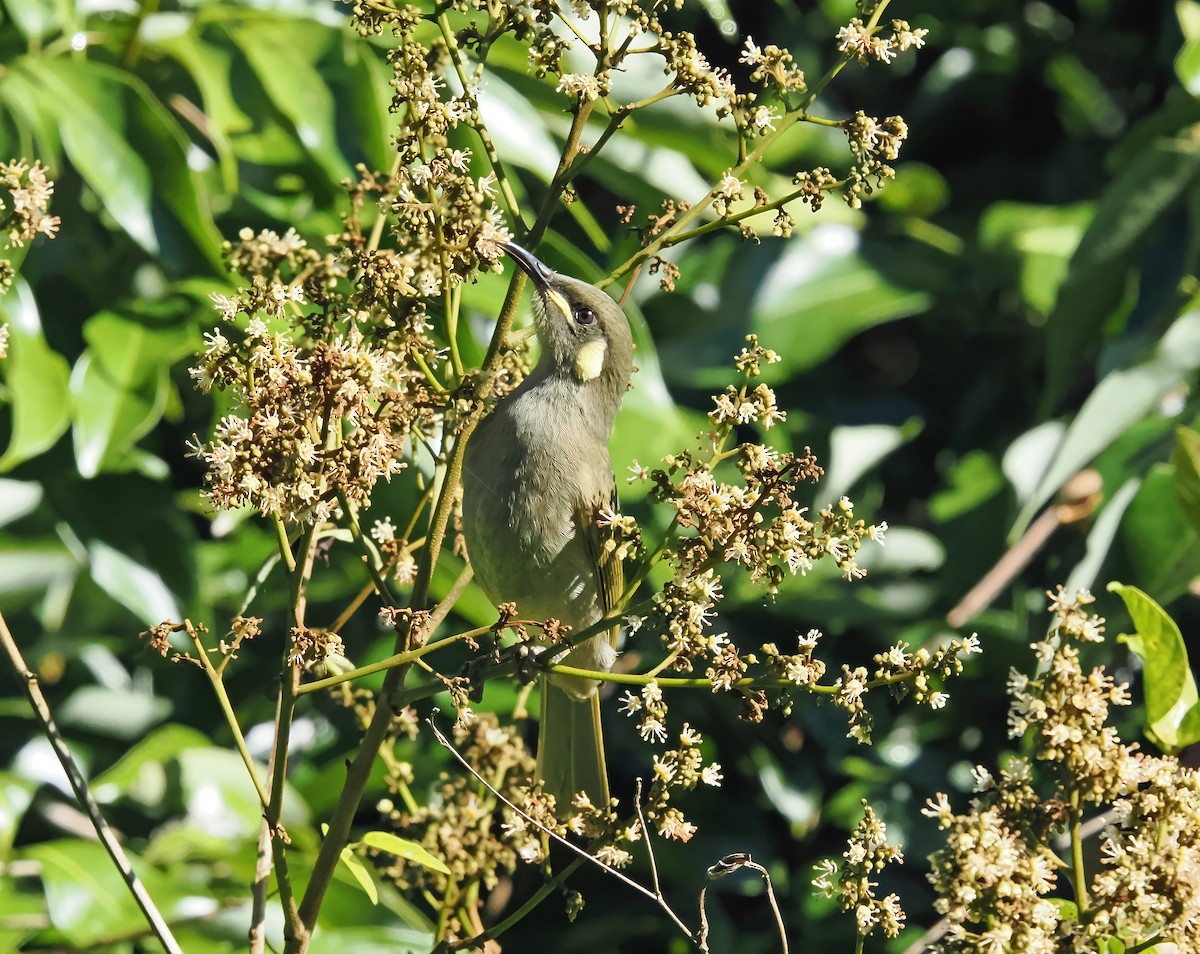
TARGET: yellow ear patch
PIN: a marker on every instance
(561, 304)
(589, 360)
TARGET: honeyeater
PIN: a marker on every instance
(535, 476)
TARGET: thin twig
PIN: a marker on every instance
(262, 882)
(655, 895)
(79, 786)
(728, 865)
(637, 803)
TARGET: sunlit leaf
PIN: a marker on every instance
(402, 848)
(283, 53)
(1187, 61)
(86, 897)
(16, 795)
(853, 451)
(972, 481)
(360, 872)
(18, 498)
(37, 377)
(141, 773)
(1121, 399)
(1171, 700)
(1100, 537)
(1186, 458)
(113, 713)
(109, 122)
(120, 385)
(138, 588)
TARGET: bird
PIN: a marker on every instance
(536, 475)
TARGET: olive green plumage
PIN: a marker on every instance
(536, 474)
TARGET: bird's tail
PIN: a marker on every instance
(570, 755)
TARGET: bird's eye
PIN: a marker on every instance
(584, 315)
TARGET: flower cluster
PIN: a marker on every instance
(395, 552)
(23, 216)
(867, 853)
(242, 629)
(319, 421)
(996, 873)
(461, 825)
(446, 221)
(864, 44)
(772, 66)
(874, 143)
(813, 186)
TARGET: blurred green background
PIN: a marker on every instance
(1019, 304)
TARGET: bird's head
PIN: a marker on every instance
(584, 333)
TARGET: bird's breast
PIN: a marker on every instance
(525, 480)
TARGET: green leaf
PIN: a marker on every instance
(284, 53)
(402, 848)
(820, 294)
(376, 939)
(854, 451)
(1101, 268)
(18, 498)
(1100, 537)
(120, 385)
(87, 899)
(1121, 399)
(139, 589)
(1187, 61)
(1162, 549)
(974, 480)
(1042, 238)
(209, 66)
(113, 713)
(94, 139)
(142, 773)
(109, 121)
(38, 19)
(37, 380)
(360, 872)
(1067, 910)
(16, 795)
(1172, 709)
(1186, 459)
(36, 568)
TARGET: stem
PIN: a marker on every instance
(262, 877)
(391, 662)
(540, 895)
(765, 143)
(1078, 872)
(702, 682)
(281, 539)
(79, 786)
(296, 932)
(562, 175)
(218, 687)
(370, 557)
(359, 771)
(485, 137)
(726, 220)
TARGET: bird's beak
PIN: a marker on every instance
(538, 272)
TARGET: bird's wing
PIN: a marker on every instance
(598, 540)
